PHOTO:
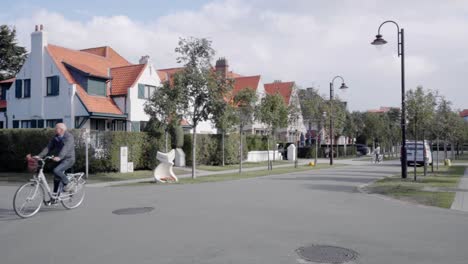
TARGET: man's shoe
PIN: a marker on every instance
(69, 187)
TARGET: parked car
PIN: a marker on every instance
(362, 149)
(422, 151)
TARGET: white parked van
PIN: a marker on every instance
(422, 149)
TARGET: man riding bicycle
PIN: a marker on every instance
(62, 146)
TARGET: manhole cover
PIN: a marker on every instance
(327, 254)
(131, 211)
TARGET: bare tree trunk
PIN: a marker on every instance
(165, 138)
(445, 150)
(222, 146)
(194, 147)
(268, 149)
(241, 128)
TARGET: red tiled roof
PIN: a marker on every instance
(245, 82)
(283, 88)
(166, 74)
(94, 62)
(11, 80)
(125, 77)
(3, 104)
(464, 113)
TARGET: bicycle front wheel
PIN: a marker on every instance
(75, 198)
(28, 199)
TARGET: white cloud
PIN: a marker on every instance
(305, 41)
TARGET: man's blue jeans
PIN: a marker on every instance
(59, 172)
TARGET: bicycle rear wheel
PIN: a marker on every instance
(28, 199)
(75, 198)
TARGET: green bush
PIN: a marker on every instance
(209, 149)
(15, 144)
(257, 142)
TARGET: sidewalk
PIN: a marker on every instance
(201, 173)
(461, 197)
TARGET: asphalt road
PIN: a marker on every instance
(261, 220)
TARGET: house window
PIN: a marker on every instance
(27, 88)
(40, 123)
(53, 85)
(1, 124)
(98, 124)
(119, 125)
(143, 125)
(15, 124)
(52, 122)
(26, 124)
(97, 87)
(135, 126)
(145, 91)
(19, 88)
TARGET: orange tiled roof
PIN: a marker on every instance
(283, 88)
(166, 74)
(3, 104)
(93, 61)
(245, 82)
(125, 77)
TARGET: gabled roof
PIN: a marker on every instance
(95, 61)
(125, 77)
(464, 113)
(245, 82)
(283, 88)
(166, 74)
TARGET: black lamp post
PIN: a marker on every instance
(401, 53)
(343, 86)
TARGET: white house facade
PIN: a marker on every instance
(93, 88)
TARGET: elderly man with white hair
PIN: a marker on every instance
(62, 146)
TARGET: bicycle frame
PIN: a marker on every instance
(41, 180)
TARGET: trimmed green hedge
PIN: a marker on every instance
(15, 144)
(257, 142)
(209, 149)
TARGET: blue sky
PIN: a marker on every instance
(304, 41)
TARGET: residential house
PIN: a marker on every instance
(289, 93)
(464, 114)
(94, 88)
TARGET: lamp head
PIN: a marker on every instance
(379, 40)
(343, 86)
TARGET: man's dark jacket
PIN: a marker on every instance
(62, 147)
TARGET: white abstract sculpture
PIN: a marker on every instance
(163, 172)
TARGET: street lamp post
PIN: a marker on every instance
(343, 86)
(401, 53)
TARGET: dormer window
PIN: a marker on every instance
(96, 86)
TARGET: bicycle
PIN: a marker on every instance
(35, 190)
(378, 159)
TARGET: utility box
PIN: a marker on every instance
(292, 152)
(123, 159)
(179, 160)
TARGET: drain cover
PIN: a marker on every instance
(327, 254)
(131, 211)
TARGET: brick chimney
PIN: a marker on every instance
(222, 67)
(38, 80)
(145, 59)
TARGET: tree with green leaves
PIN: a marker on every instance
(197, 83)
(164, 105)
(244, 104)
(12, 56)
(224, 116)
(274, 113)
